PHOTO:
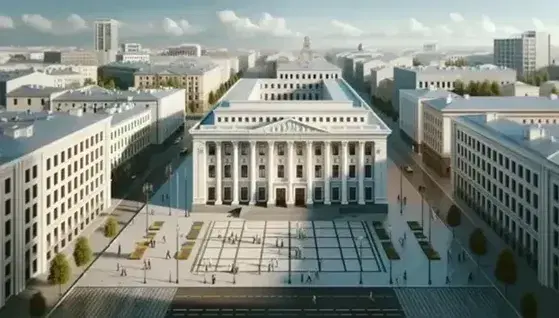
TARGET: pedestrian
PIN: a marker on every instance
(447, 280)
(145, 264)
(125, 272)
(213, 279)
(119, 250)
(405, 275)
(269, 267)
(122, 271)
(205, 280)
(277, 242)
(168, 255)
(254, 240)
(398, 198)
(309, 278)
(117, 266)
(302, 278)
(149, 263)
(281, 244)
(164, 239)
(206, 267)
(316, 275)
(314, 299)
(162, 197)
(371, 296)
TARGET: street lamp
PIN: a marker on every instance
(421, 192)
(361, 259)
(401, 189)
(147, 189)
(390, 259)
(177, 254)
(169, 173)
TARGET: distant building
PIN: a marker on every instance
(106, 40)
(430, 47)
(130, 48)
(71, 57)
(519, 89)
(133, 57)
(15, 79)
(547, 87)
(525, 53)
(247, 60)
(194, 50)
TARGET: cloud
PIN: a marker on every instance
(456, 17)
(418, 27)
(6, 22)
(267, 25)
(72, 24)
(444, 29)
(177, 28)
(491, 27)
(539, 25)
(346, 29)
(488, 25)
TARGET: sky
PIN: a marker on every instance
(273, 24)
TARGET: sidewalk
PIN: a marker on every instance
(122, 210)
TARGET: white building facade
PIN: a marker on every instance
(251, 149)
(526, 53)
(508, 173)
(50, 194)
(133, 57)
(519, 89)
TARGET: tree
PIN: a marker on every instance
(59, 271)
(454, 217)
(495, 88)
(37, 305)
(82, 252)
(473, 88)
(554, 90)
(211, 98)
(110, 84)
(478, 244)
(416, 62)
(192, 107)
(459, 87)
(505, 269)
(111, 227)
(88, 81)
(485, 88)
(529, 306)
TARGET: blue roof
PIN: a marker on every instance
(428, 93)
(546, 146)
(495, 104)
(46, 129)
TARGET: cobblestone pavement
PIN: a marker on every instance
(115, 302)
(453, 302)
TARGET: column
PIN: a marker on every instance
(235, 173)
(271, 175)
(218, 177)
(380, 171)
(310, 174)
(361, 172)
(327, 171)
(290, 172)
(199, 171)
(253, 176)
(345, 172)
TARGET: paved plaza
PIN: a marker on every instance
(326, 246)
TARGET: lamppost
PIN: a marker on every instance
(360, 259)
(429, 258)
(169, 173)
(390, 259)
(401, 190)
(147, 189)
(177, 254)
(421, 192)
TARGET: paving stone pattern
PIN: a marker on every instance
(134, 302)
(453, 302)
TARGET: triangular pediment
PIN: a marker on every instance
(288, 126)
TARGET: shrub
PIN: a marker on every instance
(82, 252)
(37, 305)
(111, 227)
(59, 271)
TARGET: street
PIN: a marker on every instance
(438, 194)
(286, 302)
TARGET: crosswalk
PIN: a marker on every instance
(286, 312)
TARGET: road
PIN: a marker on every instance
(285, 302)
(438, 194)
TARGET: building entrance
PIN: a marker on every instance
(280, 197)
(300, 197)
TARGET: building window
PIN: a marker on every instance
(262, 171)
(317, 150)
(227, 171)
(7, 185)
(335, 171)
(335, 149)
(318, 193)
(299, 171)
(244, 171)
(335, 194)
(211, 194)
(281, 171)
(261, 194)
(227, 194)
(352, 149)
(211, 171)
(352, 194)
(244, 194)
(368, 171)
(368, 193)
(8, 207)
(318, 171)
(352, 172)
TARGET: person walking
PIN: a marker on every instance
(314, 299)
(149, 263)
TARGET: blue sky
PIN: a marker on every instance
(262, 23)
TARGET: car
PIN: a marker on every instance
(184, 151)
(408, 169)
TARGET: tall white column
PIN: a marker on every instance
(290, 172)
(327, 171)
(218, 177)
(235, 173)
(199, 172)
(345, 172)
(271, 175)
(361, 172)
(380, 171)
(310, 173)
(253, 171)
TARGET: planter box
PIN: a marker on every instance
(138, 252)
(415, 226)
(154, 228)
(429, 252)
(195, 230)
(419, 235)
(184, 253)
(189, 244)
(158, 223)
(151, 235)
(390, 251)
(378, 225)
(142, 243)
(382, 234)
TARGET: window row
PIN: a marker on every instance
(84, 145)
(307, 119)
(299, 171)
(281, 149)
(308, 76)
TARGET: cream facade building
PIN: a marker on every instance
(54, 181)
(286, 141)
(520, 89)
(10, 80)
(508, 172)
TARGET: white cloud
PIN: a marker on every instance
(456, 17)
(6, 22)
(418, 27)
(346, 29)
(488, 25)
(267, 25)
(539, 25)
(444, 29)
(176, 28)
(37, 22)
(72, 24)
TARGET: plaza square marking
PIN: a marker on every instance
(339, 246)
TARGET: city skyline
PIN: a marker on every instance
(260, 25)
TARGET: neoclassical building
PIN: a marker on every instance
(282, 142)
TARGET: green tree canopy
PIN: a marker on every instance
(478, 244)
(82, 252)
(505, 269)
(59, 271)
(88, 81)
(110, 84)
(211, 98)
(529, 306)
(458, 62)
(459, 87)
(111, 227)
(37, 305)
(554, 90)
(454, 217)
(485, 88)
(495, 89)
